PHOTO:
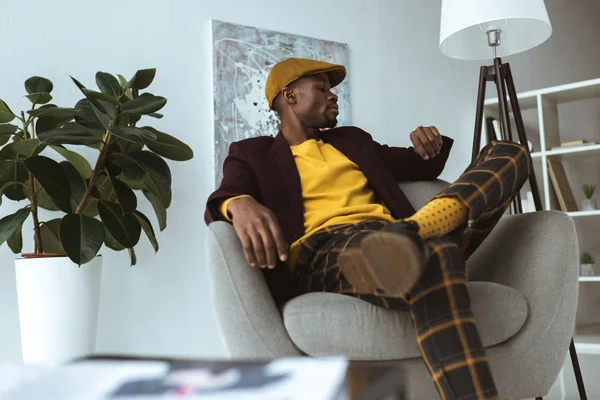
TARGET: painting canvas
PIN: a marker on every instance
(242, 59)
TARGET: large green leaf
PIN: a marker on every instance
(6, 132)
(133, 180)
(105, 119)
(147, 227)
(76, 182)
(13, 176)
(39, 98)
(20, 150)
(111, 242)
(87, 117)
(6, 115)
(50, 119)
(12, 222)
(50, 233)
(90, 208)
(71, 133)
(122, 80)
(92, 99)
(81, 237)
(13, 170)
(132, 257)
(54, 112)
(102, 188)
(7, 129)
(125, 195)
(16, 191)
(44, 201)
(159, 209)
(78, 161)
(144, 105)
(37, 84)
(52, 178)
(150, 184)
(112, 169)
(151, 163)
(127, 94)
(168, 146)
(128, 119)
(107, 83)
(132, 134)
(142, 79)
(125, 228)
(108, 102)
(15, 241)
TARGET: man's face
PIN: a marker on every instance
(316, 105)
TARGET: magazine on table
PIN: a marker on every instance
(281, 379)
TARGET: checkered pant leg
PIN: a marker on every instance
(317, 268)
(448, 338)
(487, 187)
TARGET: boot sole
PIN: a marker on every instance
(384, 260)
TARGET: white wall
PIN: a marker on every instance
(398, 77)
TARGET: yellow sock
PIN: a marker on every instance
(440, 217)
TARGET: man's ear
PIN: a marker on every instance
(288, 95)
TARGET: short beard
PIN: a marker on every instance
(331, 122)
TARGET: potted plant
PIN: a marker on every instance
(58, 284)
(587, 264)
(588, 204)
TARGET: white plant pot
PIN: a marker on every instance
(587, 270)
(58, 308)
(588, 205)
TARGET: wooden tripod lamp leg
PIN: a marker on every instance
(502, 76)
(512, 92)
(479, 112)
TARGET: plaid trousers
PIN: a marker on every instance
(439, 303)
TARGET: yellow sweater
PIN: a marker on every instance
(334, 190)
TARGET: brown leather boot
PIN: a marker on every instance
(391, 260)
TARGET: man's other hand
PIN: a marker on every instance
(259, 232)
(427, 141)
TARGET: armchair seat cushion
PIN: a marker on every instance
(328, 324)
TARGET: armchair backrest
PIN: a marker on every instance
(420, 192)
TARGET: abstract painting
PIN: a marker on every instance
(242, 59)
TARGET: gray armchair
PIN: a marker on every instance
(523, 287)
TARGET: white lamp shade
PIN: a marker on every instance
(524, 23)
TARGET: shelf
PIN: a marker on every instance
(573, 91)
(575, 150)
(582, 150)
(587, 339)
(560, 94)
(589, 279)
(583, 213)
(526, 102)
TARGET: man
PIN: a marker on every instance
(333, 194)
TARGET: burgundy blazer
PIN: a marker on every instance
(264, 168)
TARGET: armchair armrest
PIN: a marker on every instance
(250, 323)
(536, 254)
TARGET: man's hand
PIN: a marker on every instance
(427, 141)
(259, 232)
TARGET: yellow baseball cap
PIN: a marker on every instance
(287, 71)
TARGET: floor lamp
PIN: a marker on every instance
(482, 29)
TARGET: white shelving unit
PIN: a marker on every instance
(589, 279)
(542, 109)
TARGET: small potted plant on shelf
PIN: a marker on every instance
(588, 204)
(587, 264)
(76, 208)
